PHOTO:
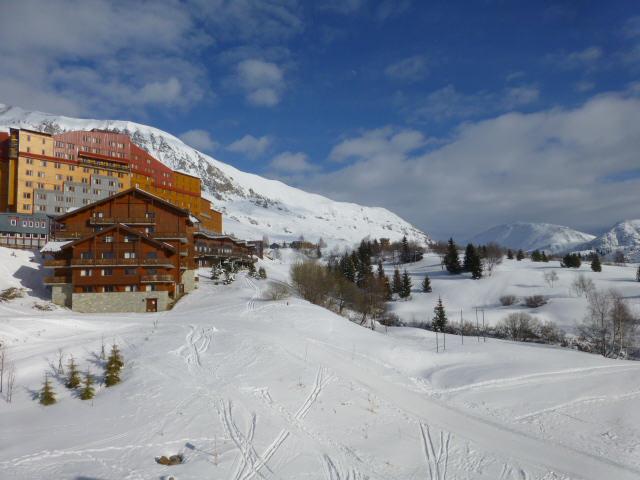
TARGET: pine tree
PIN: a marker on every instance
(73, 375)
(596, 266)
(426, 284)
(405, 289)
(347, 268)
(396, 285)
(318, 251)
(451, 259)
(405, 254)
(638, 274)
(47, 395)
(510, 254)
(476, 267)
(380, 272)
(520, 255)
(544, 257)
(88, 392)
(387, 291)
(535, 256)
(113, 367)
(439, 321)
(262, 273)
(469, 254)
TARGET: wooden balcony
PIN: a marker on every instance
(157, 279)
(125, 220)
(182, 236)
(121, 262)
(56, 280)
(56, 263)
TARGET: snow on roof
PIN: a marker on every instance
(193, 219)
(53, 246)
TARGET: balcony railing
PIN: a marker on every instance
(182, 236)
(125, 220)
(156, 278)
(56, 263)
(56, 280)
(82, 262)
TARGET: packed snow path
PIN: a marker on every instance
(247, 388)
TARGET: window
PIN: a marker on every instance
(28, 183)
(107, 272)
(59, 144)
(87, 289)
(40, 185)
(149, 230)
(26, 206)
(43, 163)
(130, 238)
(152, 255)
(58, 177)
(150, 288)
(57, 209)
(70, 145)
(40, 174)
(71, 188)
(85, 272)
(28, 149)
(72, 168)
(97, 191)
(13, 222)
(108, 239)
(129, 271)
(86, 255)
(149, 215)
(29, 173)
(42, 208)
(57, 188)
(85, 169)
(31, 223)
(29, 161)
(97, 181)
(69, 199)
(109, 288)
(131, 288)
(129, 254)
(57, 165)
(59, 198)
(42, 196)
(108, 255)
(26, 195)
(69, 178)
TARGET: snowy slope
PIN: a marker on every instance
(247, 388)
(623, 237)
(253, 205)
(531, 236)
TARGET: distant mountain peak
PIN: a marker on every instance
(530, 236)
(253, 206)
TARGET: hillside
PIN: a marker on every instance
(247, 388)
(533, 236)
(622, 237)
(253, 205)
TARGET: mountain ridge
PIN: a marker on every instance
(252, 205)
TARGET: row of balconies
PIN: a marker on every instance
(113, 262)
(110, 280)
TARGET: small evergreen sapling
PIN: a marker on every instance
(451, 259)
(596, 266)
(73, 375)
(426, 284)
(113, 367)
(262, 273)
(88, 392)
(439, 321)
(47, 395)
(396, 285)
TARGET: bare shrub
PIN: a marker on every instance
(518, 326)
(582, 286)
(506, 300)
(11, 293)
(535, 301)
(276, 291)
(550, 277)
(492, 256)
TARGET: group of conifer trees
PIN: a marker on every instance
(471, 263)
(73, 381)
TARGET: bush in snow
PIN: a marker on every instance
(47, 395)
(262, 273)
(276, 291)
(507, 300)
(113, 367)
(535, 301)
(571, 260)
(88, 391)
(11, 294)
(550, 277)
(73, 375)
(518, 326)
(582, 286)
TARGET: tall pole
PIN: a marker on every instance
(477, 326)
(461, 328)
(437, 345)
(484, 335)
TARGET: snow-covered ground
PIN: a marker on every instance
(521, 279)
(249, 388)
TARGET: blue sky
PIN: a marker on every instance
(377, 102)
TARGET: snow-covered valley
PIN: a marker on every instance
(245, 388)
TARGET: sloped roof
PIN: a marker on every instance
(119, 226)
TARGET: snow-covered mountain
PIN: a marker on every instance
(534, 236)
(623, 237)
(252, 205)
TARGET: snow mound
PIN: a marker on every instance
(253, 205)
(534, 236)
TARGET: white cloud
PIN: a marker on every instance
(292, 163)
(199, 139)
(385, 141)
(409, 69)
(262, 82)
(544, 166)
(587, 58)
(250, 146)
(96, 57)
(449, 103)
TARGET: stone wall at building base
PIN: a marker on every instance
(189, 280)
(61, 295)
(118, 302)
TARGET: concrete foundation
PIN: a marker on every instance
(189, 280)
(118, 302)
(61, 295)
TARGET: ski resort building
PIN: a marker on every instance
(45, 174)
(131, 252)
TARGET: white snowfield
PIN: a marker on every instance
(247, 388)
(253, 205)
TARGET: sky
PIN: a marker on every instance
(455, 115)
